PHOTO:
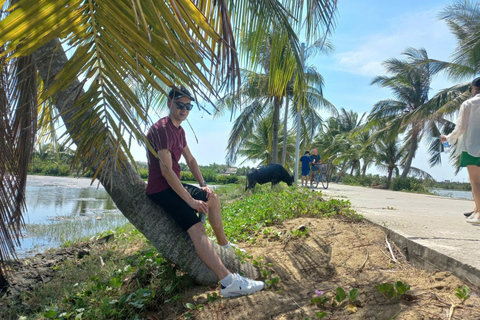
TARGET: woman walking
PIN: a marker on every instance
(467, 138)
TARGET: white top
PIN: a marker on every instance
(467, 129)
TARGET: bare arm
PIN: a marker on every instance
(192, 164)
(173, 181)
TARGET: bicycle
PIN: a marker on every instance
(321, 176)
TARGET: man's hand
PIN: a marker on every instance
(443, 138)
(209, 191)
(199, 205)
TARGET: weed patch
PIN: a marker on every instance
(266, 207)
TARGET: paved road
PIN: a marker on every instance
(431, 229)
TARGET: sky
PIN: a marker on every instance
(367, 33)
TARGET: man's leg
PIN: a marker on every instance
(215, 219)
(205, 250)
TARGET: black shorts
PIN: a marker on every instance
(177, 208)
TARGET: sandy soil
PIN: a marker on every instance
(336, 253)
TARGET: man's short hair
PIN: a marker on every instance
(476, 82)
(307, 152)
(179, 92)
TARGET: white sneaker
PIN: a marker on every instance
(474, 218)
(241, 286)
(233, 247)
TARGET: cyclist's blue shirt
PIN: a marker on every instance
(305, 162)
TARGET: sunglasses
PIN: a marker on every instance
(470, 89)
(182, 106)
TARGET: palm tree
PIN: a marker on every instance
(259, 99)
(339, 142)
(116, 43)
(388, 157)
(410, 84)
(312, 98)
(257, 146)
(463, 18)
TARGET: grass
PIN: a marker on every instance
(132, 277)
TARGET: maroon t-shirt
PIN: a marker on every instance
(164, 135)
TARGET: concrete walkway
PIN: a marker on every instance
(431, 230)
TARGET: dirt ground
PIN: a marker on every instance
(336, 253)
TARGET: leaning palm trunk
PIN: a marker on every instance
(127, 189)
(342, 171)
(411, 152)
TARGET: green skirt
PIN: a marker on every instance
(468, 160)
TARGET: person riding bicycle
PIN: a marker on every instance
(316, 161)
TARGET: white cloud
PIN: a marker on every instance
(418, 30)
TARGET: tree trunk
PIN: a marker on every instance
(353, 164)
(276, 125)
(285, 134)
(389, 178)
(342, 172)
(127, 189)
(412, 150)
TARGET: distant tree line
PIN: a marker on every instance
(402, 184)
(56, 160)
(213, 173)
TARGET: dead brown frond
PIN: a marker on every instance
(18, 126)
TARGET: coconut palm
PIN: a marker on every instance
(115, 46)
(388, 157)
(257, 146)
(339, 142)
(257, 95)
(259, 104)
(410, 84)
(463, 19)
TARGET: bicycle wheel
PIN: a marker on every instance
(324, 181)
(316, 181)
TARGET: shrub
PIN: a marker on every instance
(51, 170)
(408, 184)
(186, 176)
(143, 172)
(36, 168)
(209, 175)
(227, 179)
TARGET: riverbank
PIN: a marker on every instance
(126, 278)
(125, 274)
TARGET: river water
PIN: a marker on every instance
(65, 209)
(458, 194)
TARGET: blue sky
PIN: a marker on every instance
(367, 33)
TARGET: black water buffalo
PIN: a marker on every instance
(273, 173)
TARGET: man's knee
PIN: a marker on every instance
(196, 231)
(213, 201)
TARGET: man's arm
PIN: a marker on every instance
(192, 164)
(165, 158)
